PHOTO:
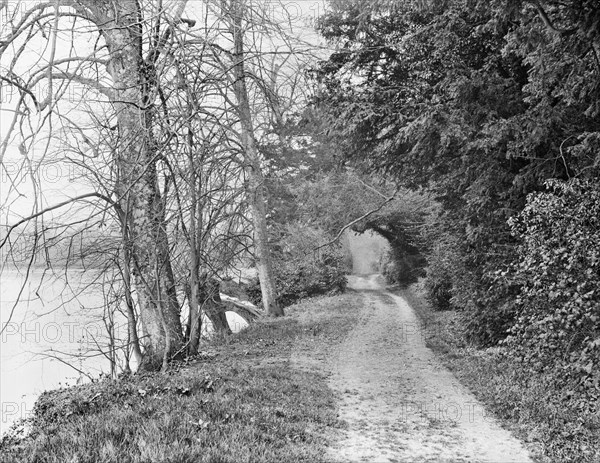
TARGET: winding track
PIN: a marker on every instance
(401, 404)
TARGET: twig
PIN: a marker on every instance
(78, 370)
(373, 189)
(48, 209)
(364, 216)
(23, 89)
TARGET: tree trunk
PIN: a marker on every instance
(256, 188)
(134, 351)
(195, 242)
(213, 306)
(194, 326)
(137, 183)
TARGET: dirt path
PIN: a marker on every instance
(400, 403)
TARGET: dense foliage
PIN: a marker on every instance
(337, 199)
(558, 273)
(300, 269)
(314, 201)
(478, 102)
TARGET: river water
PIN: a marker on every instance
(55, 334)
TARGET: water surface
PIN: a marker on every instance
(51, 336)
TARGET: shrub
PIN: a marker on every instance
(443, 261)
(403, 268)
(466, 278)
(301, 270)
(558, 324)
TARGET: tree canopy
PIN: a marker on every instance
(479, 103)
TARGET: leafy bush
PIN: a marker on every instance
(405, 261)
(561, 426)
(301, 270)
(443, 260)
(558, 323)
(336, 199)
(403, 268)
(464, 276)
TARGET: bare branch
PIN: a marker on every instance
(23, 89)
(548, 22)
(92, 83)
(354, 222)
(52, 208)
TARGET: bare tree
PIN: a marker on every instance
(150, 85)
(258, 63)
(256, 183)
(122, 67)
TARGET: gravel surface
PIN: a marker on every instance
(399, 402)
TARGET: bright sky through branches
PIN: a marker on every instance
(72, 130)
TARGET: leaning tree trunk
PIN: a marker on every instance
(137, 183)
(194, 323)
(210, 293)
(256, 187)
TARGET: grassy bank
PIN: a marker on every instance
(243, 400)
(556, 425)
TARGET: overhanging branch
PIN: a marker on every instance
(362, 217)
(52, 208)
(548, 22)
